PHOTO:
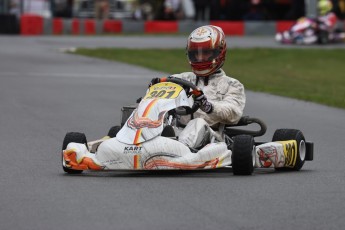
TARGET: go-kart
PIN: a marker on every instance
(308, 31)
(147, 140)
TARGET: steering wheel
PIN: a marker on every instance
(185, 110)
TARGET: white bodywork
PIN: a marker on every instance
(161, 153)
(140, 146)
(165, 153)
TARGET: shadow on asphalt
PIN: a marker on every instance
(222, 172)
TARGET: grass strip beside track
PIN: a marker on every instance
(315, 75)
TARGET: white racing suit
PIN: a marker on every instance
(228, 99)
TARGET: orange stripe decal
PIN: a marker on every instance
(137, 136)
(146, 112)
(136, 159)
(149, 107)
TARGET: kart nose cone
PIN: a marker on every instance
(278, 37)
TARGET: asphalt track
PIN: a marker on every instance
(45, 93)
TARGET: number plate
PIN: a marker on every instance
(164, 90)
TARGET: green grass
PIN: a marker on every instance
(316, 75)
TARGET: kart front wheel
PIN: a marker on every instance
(292, 134)
(243, 155)
(113, 131)
(77, 138)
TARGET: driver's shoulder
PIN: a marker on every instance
(227, 80)
(189, 76)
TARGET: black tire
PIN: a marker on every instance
(168, 131)
(292, 134)
(323, 37)
(243, 158)
(113, 131)
(77, 138)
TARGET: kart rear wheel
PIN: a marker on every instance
(243, 155)
(77, 138)
(113, 131)
(292, 134)
(323, 37)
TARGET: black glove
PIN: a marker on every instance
(203, 103)
(154, 81)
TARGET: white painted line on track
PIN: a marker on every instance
(67, 49)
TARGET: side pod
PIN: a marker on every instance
(309, 150)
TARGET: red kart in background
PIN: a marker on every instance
(307, 31)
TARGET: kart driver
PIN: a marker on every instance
(327, 19)
(222, 98)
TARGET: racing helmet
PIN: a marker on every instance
(324, 7)
(206, 50)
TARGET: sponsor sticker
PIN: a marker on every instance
(132, 150)
(290, 152)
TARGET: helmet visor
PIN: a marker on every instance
(202, 55)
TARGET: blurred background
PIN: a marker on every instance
(143, 10)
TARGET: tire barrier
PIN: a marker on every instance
(112, 26)
(31, 25)
(230, 28)
(57, 25)
(36, 25)
(284, 25)
(161, 27)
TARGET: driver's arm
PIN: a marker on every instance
(230, 108)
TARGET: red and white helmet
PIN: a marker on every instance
(206, 50)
